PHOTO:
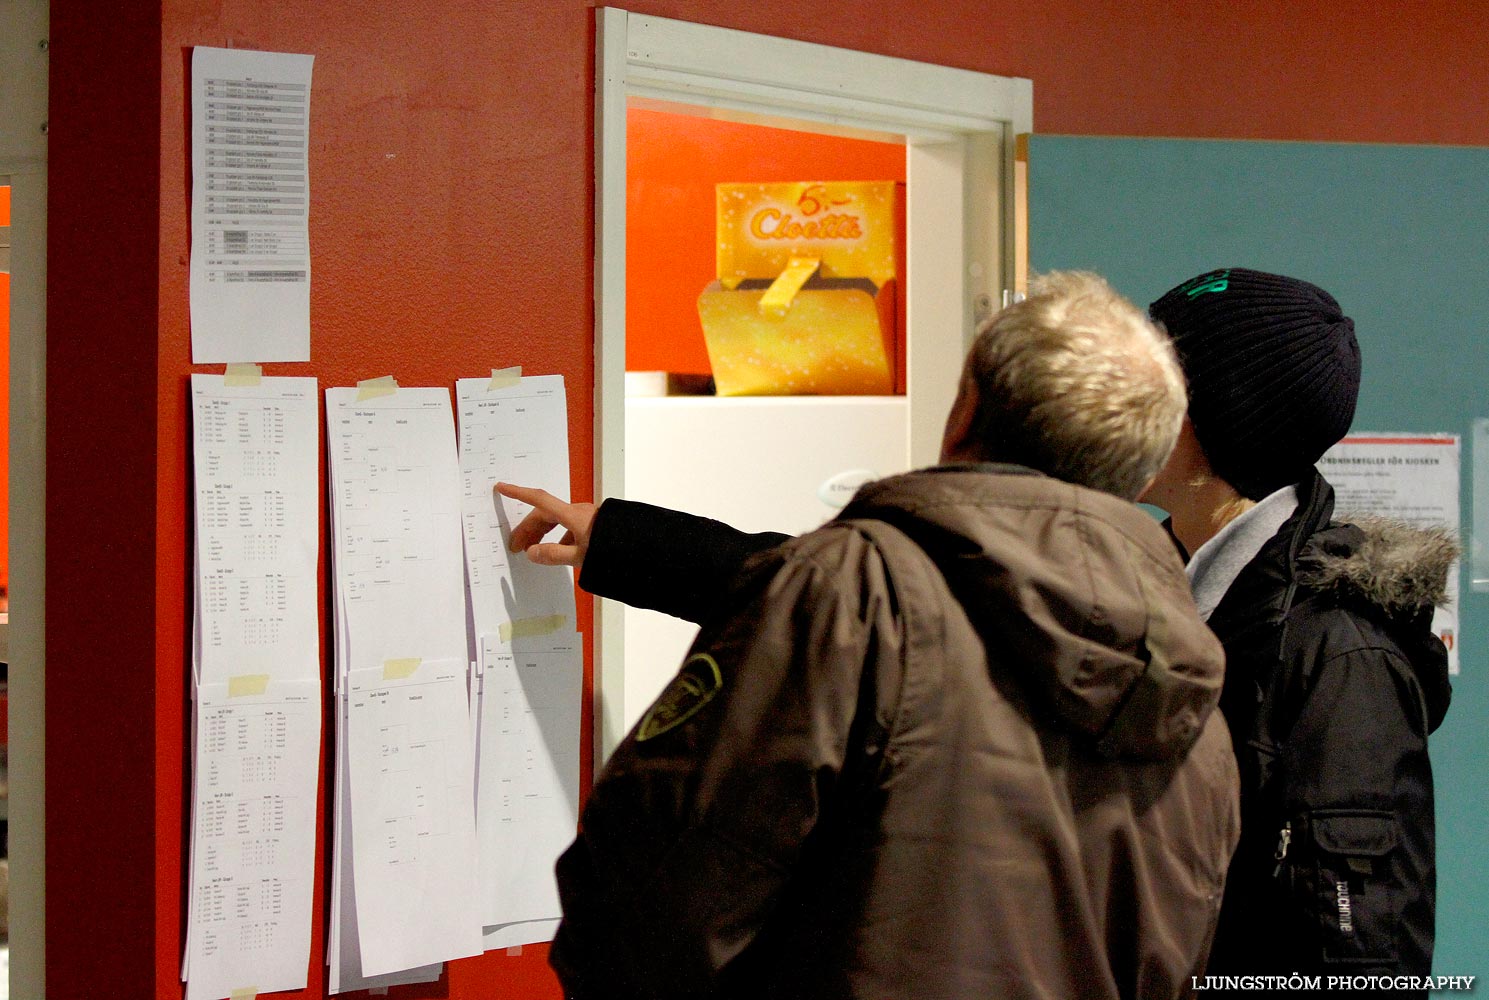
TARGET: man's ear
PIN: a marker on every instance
(956, 440)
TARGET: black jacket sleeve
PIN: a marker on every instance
(665, 560)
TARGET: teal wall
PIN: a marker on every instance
(1400, 236)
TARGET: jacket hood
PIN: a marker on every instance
(1077, 595)
(1401, 572)
(1396, 567)
(1388, 572)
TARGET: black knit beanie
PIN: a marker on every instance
(1273, 370)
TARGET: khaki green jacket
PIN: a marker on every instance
(960, 742)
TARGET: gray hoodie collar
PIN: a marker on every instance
(1216, 564)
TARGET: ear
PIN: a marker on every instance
(956, 441)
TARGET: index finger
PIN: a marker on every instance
(548, 512)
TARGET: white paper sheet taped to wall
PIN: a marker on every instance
(256, 684)
(250, 205)
(1407, 477)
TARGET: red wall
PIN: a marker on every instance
(452, 229)
(112, 749)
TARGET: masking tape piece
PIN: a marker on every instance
(243, 373)
(397, 670)
(371, 388)
(777, 298)
(246, 993)
(503, 378)
(524, 628)
(515, 950)
(247, 684)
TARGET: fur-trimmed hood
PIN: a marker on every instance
(1390, 565)
(1379, 576)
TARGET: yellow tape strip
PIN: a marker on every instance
(243, 373)
(371, 388)
(777, 298)
(246, 684)
(397, 670)
(245, 993)
(503, 378)
(524, 628)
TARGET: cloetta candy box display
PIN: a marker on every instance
(804, 301)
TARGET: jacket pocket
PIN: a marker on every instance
(1346, 876)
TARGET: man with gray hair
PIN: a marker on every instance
(958, 743)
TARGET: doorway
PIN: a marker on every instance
(957, 131)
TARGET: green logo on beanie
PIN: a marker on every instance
(1215, 281)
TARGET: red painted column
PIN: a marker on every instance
(102, 288)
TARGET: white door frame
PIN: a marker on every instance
(23, 161)
(959, 129)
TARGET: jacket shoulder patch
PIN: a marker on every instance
(694, 686)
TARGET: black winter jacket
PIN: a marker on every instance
(1333, 681)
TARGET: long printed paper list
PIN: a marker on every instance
(256, 686)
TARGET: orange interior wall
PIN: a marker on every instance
(673, 162)
(452, 228)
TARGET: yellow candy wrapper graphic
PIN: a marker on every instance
(804, 303)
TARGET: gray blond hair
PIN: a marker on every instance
(1076, 382)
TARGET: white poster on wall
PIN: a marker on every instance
(1407, 477)
(250, 206)
(1479, 535)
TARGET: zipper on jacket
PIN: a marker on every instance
(1283, 841)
